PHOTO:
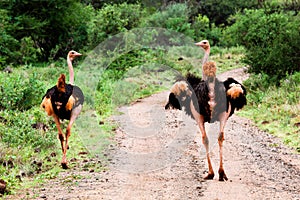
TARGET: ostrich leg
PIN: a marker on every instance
(223, 119)
(200, 121)
(206, 145)
(61, 138)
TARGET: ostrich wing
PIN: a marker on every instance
(236, 94)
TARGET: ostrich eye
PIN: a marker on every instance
(204, 42)
(72, 52)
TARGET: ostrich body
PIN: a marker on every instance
(64, 101)
(208, 100)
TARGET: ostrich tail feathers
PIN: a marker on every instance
(61, 83)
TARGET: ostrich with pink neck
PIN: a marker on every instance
(64, 101)
(208, 100)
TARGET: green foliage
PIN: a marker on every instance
(219, 11)
(98, 4)
(19, 93)
(16, 128)
(201, 26)
(53, 27)
(29, 53)
(204, 28)
(113, 19)
(21, 145)
(175, 17)
(8, 44)
(272, 42)
(107, 87)
(292, 5)
(275, 109)
(227, 58)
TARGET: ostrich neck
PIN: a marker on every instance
(205, 58)
(71, 71)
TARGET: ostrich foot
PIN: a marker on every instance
(64, 165)
(222, 176)
(64, 162)
(210, 176)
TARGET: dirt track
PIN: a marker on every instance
(158, 155)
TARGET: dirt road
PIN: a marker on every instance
(158, 155)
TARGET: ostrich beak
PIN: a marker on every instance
(77, 54)
(198, 44)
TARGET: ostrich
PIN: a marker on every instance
(208, 100)
(64, 101)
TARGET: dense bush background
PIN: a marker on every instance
(272, 42)
(39, 31)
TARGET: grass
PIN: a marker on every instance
(275, 109)
(227, 58)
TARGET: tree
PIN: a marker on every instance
(272, 42)
(54, 26)
(218, 11)
(8, 44)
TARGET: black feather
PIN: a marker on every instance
(173, 102)
(200, 98)
(239, 102)
(201, 91)
(62, 98)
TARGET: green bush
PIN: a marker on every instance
(201, 26)
(175, 17)
(12, 49)
(16, 129)
(275, 109)
(18, 92)
(8, 44)
(113, 19)
(219, 11)
(272, 42)
(51, 27)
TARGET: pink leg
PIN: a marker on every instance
(223, 119)
(205, 142)
(61, 138)
(75, 113)
(200, 121)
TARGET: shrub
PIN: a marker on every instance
(201, 26)
(175, 17)
(52, 27)
(19, 93)
(113, 19)
(272, 42)
(16, 129)
(219, 11)
(8, 44)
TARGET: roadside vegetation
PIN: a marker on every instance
(263, 36)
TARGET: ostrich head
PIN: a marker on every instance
(204, 44)
(209, 70)
(73, 54)
(179, 96)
